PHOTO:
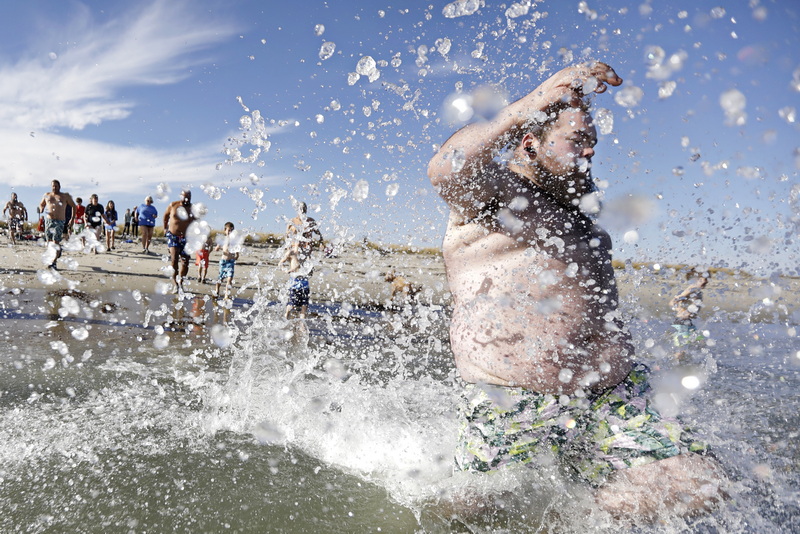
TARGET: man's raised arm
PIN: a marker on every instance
(460, 169)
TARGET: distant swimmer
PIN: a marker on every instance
(300, 233)
(177, 219)
(55, 205)
(535, 330)
(687, 305)
(299, 288)
(17, 215)
(401, 287)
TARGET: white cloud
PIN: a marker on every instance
(27, 159)
(78, 86)
(82, 73)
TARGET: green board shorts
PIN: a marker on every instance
(595, 436)
(686, 334)
(54, 229)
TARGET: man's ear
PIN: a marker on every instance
(530, 144)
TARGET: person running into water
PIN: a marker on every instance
(227, 262)
(177, 219)
(300, 234)
(17, 215)
(55, 205)
(202, 260)
(687, 305)
(95, 219)
(535, 329)
(79, 224)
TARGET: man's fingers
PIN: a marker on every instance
(606, 74)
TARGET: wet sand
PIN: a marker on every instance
(355, 276)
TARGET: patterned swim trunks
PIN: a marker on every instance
(299, 292)
(54, 229)
(226, 269)
(686, 334)
(595, 436)
(174, 241)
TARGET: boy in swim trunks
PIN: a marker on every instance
(687, 305)
(202, 259)
(227, 262)
(535, 327)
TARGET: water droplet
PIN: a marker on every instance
(81, 334)
(221, 336)
(319, 29)
(326, 50)
(788, 113)
(666, 89)
(733, 103)
(717, 12)
(392, 189)
(360, 191)
(458, 161)
(631, 237)
(629, 97)
(565, 375)
(443, 46)
(365, 66)
(604, 119)
(161, 341)
(461, 8)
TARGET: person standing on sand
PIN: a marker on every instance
(687, 305)
(147, 215)
(535, 330)
(55, 204)
(17, 215)
(135, 222)
(177, 219)
(95, 219)
(126, 229)
(111, 225)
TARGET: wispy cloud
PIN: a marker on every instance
(77, 84)
(83, 76)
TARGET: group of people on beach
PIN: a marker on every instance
(92, 222)
(63, 216)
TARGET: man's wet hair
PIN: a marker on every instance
(540, 125)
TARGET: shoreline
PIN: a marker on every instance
(356, 277)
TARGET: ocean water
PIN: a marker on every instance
(148, 413)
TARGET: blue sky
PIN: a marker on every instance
(125, 99)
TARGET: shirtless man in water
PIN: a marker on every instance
(535, 330)
(17, 215)
(55, 204)
(177, 219)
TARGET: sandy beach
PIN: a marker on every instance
(356, 276)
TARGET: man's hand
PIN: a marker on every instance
(579, 80)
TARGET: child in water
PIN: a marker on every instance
(227, 262)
